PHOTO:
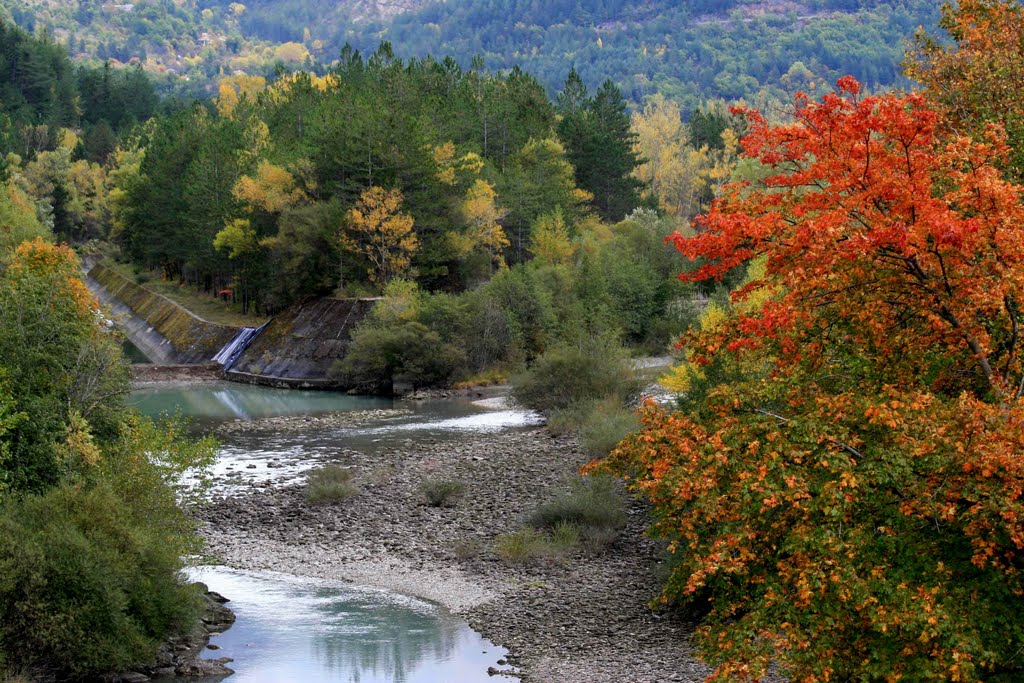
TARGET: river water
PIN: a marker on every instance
(306, 630)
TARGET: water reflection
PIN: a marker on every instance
(291, 629)
(220, 401)
(134, 354)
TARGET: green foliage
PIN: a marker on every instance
(591, 505)
(19, 220)
(605, 424)
(407, 353)
(87, 584)
(442, 492)
(42, 91)
(59, 364)
(601, 146)
(330, 484)
(572, 373)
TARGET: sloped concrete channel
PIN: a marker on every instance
(164, 331)
(295, 349)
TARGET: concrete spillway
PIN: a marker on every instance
(164, 331)
(298, 347)
(228, 355)
(295, 349)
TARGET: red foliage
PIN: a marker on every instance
(851, 506)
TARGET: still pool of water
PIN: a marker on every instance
(304, 630)
(218, 401)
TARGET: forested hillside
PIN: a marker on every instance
(692, 51)
(687, 50)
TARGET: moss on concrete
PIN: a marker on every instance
(194, 340)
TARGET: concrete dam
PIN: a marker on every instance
(294, 349)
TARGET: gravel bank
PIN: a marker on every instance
(582, 620)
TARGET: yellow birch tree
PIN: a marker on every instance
(378, 230)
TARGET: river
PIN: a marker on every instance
(299, 629)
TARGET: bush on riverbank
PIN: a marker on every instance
(589, 514)
(330, 484)
(576, 373)
(442, 492)
(86, 587)
(591, 504)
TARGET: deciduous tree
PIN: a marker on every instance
(978, 80)
(850, 504)
(378, 230)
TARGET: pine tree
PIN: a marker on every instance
(600, 143)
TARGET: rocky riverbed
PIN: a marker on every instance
(581, 619)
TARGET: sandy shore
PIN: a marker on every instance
(586, 619)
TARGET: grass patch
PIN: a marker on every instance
(522, 546)
(537, 545)
(330, 484)
(487, 378)
(442, 492)
(592, 505)
(588, 516)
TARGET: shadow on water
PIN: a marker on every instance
(291, 629)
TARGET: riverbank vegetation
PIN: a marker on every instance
(842, 492)
(91, 532)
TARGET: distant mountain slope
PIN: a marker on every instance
(689, 49)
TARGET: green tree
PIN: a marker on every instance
(600, 144)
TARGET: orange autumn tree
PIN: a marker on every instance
(844, 497)
(979, 78)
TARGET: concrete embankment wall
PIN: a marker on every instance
(164, 331)
(298, 347)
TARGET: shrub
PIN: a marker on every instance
(330, 484)
(524, 545)
(591, 368)
(591, 504)
(605, 425)
(442, 492)
(86, 587)
(407, 352)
